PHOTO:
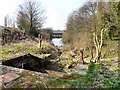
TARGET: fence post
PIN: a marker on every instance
(40, 40)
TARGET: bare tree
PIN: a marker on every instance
(30, 16)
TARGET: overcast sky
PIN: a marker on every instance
(57, 11)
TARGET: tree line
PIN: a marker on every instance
(92, 24)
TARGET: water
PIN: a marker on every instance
(57, 42)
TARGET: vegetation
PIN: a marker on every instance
(30, 17)
(23, 48)
(92, 25)
(98, 76)
(90, 40)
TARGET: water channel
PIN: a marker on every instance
(57, 42)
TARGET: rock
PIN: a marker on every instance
(82, 72)
(81, 67)
(9, 77)
(55, 73)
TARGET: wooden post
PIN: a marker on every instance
(40, 40)
(81, 57)
(91, 53)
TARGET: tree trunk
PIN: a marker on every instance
(91, 53)
(98, 55)
(98, 45)
(81, 57)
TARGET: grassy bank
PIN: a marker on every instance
(28, 46)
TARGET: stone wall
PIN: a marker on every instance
(9, 35)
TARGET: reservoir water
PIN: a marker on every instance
(57, 42)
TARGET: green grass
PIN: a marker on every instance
(112, 84)
(75, 75)
(61, 83)
(97, 76)
(11, 51)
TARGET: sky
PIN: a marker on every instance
(56, 11)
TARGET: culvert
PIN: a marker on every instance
(28, 62)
